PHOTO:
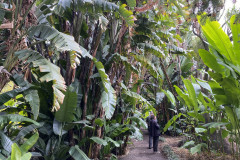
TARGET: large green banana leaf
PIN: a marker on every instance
(184, 96)
(148, 64)
(16, 152)
(97, 6)
(67, 109)
(170, 96)
(218, 39)
(220, 42)
(30, 94)
(60, 41)
(77, 153)
(6, 142)
(191, 93)
(136, 97)
(152, 49)
(53, 73)
(16, 118)
(34, 101)
(235, 28)
(28, 144)
(117, 57)
(26, 130)
(211, 61)
(108, 97)
(11, 94)
(99, 141)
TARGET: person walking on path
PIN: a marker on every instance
(154, 132)
(149, 119)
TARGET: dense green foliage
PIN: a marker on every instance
(87, 72)
(213, 106)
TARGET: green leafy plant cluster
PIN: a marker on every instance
(169, 153)
(85, 74)
(211, 107)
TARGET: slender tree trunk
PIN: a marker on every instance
(198, 34)
(124, 148)
(169, 82)
(97, 147)
(166, 109)
(168, 79)
(77, 24)
(179, 68)
(70, 72)
(121, 34)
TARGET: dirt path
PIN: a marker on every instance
(139, 150)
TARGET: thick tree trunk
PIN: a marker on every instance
(95, 44)
(69, 78)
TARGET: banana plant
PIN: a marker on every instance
(20, 152)
(92, 42)
(13, 151)
(222, 60)
(217, 96)
(197, 110)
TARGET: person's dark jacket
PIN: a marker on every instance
(148, 122)
(154, 129)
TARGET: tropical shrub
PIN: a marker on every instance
(213, 105)
(86, 73)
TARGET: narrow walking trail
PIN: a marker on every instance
(139, 150)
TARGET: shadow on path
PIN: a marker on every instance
(139, 150)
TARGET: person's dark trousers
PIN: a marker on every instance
(150, 142)
(155, 143)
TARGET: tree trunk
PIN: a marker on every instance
(97, 147)
(124, 148)
(95, 44)
(70, 72)
(169, 82)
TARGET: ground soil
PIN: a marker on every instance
(139, 150)
(184, 154)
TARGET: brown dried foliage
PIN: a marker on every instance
(147, 6)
